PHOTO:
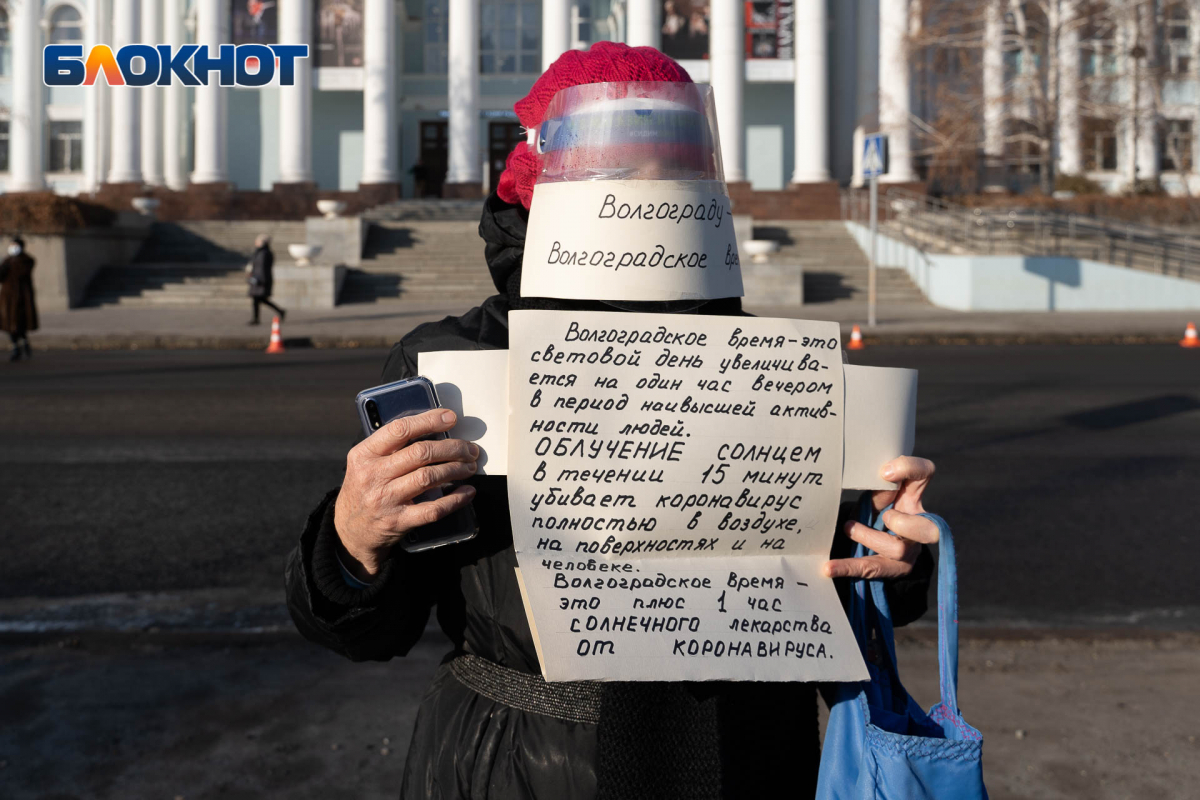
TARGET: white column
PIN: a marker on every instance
(894, 89)
(1070, 155)
(126, 164)
(811, 93)
(26, 129)
(993, 80)
(174, 97)
(210, 154)
(92, 176)
(643, 26)
(151, 98)
(295, 102)
(556, 30)
(380, 142)
(727, 75)
(465, 165)
(103, 10)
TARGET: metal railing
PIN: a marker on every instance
(937, 225)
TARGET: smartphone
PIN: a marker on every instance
(382, 404)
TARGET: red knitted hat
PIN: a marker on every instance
(604, 62)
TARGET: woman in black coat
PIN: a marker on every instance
(261, 278)
(18, 309)
(612, 740)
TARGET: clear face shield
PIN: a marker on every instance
(630, 205)
(639, 130)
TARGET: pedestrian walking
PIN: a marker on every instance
(261, 278)
(18, 308)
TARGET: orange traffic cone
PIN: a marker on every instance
(856, 342)
(1189, 336)
(276, 345)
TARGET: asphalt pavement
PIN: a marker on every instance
(1065, 472)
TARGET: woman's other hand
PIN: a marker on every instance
(895, 555)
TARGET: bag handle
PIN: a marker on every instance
(947, 599)
(947, 613)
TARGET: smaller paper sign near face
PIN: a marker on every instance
(631, 240)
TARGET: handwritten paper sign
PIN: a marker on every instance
(631, 240)
(674, 484)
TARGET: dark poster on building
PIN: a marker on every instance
(255, 22)
(685, 28)
(770, 28)
(339, 33)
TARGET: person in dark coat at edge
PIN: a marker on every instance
(18, 309)
(261, 278)
(488, 725)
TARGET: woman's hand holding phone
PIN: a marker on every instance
(385, 473)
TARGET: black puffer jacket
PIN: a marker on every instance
(762, 741)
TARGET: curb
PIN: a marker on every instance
(178, 342)
(1009, 339)
(175, 342)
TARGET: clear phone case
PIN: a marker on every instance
(405, 398)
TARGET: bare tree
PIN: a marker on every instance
(1007, 83)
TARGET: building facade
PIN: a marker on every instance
(420, 92)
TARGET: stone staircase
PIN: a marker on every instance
(835, 268)
(421, 261)
(190, 264)
(429, 209)
(429, 252)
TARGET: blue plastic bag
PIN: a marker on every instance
(879, 744)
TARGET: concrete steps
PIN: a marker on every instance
(215, 241)
(430, 259)
(170, 285)
(835, 268)
(427, 210)
(420, 260)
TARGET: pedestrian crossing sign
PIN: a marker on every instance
(874, 155)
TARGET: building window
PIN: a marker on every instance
(1099, 145)
(1099, 50)
(510, 37)
(66, 146)
(1177, 36)
(4, 145)
(66, 26)
(437, 35)
(5, 47)
(1175, 147)
(1023, 150)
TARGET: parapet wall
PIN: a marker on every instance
(1030, 283)
(285, 201)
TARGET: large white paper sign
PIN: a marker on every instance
(631, 240)
(674, 484)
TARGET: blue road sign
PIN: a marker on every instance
(874, 155)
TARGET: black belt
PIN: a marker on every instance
(571, 701)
